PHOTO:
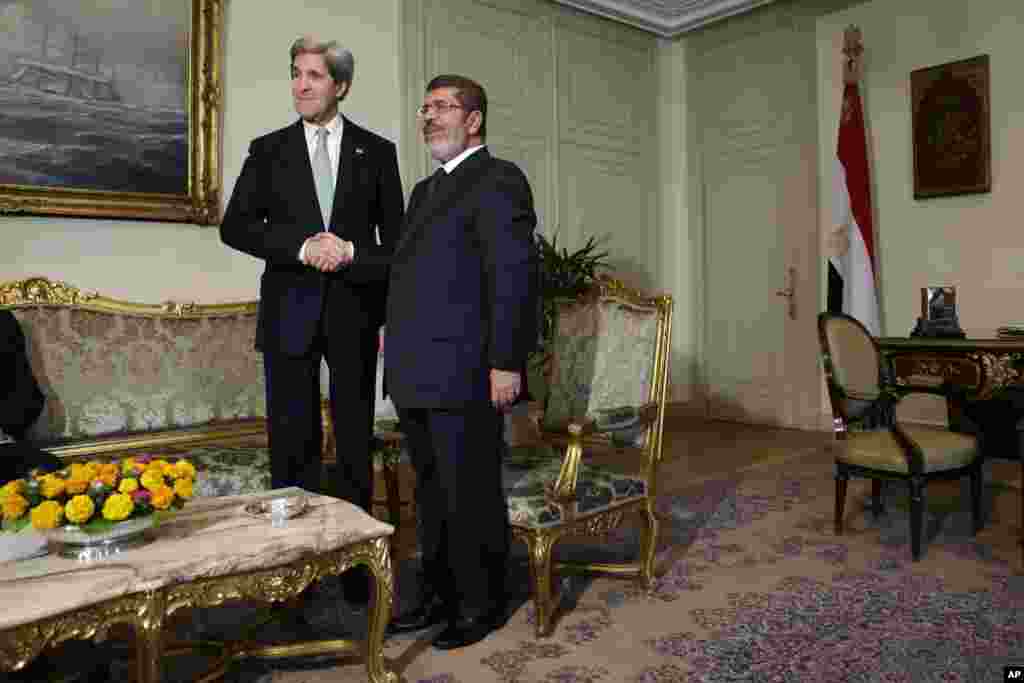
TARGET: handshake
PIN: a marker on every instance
(327, 252)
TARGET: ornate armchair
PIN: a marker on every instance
(915, 454)
(607, 399)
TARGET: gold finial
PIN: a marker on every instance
(853, 49)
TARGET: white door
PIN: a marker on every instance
(755, 108)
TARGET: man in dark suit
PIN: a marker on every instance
(321, 202)
(21, 402)
(461, 322)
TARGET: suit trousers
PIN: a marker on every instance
(460, 501)
(294, 426)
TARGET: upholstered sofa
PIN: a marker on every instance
(126, 378)
(171, 379)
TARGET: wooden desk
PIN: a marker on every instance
(966, 370)
(977, 367)
(208, 553)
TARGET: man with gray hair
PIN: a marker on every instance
(320, 202)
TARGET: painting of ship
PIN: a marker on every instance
(88, 107)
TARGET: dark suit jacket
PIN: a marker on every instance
(21, 401)
(463, 289)
(273, 209)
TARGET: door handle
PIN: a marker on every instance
(789, 292)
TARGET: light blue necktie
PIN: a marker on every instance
(323, 176)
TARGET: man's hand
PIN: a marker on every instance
(327, 252)
(505, 387)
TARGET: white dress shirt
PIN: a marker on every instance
(453, 163)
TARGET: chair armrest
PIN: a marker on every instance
(601, 422)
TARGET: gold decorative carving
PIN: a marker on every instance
(1000, 370)
(180, 309)
(148, 611)
(935, 368)
(608, 286)
(283, 583)
(199, 202)
(21, 645)
(40, 291)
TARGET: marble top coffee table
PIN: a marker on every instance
(210, 552)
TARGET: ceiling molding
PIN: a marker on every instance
(666, 18)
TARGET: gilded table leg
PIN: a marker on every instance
(544, 598)
(380, 612)
(149, 624)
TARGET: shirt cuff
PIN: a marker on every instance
(302, 251)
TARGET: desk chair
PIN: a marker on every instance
(913, 454)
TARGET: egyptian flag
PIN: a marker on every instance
(851, 270)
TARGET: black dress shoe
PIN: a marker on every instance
(424, 616)
(466, 631)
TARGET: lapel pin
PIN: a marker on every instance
(359, 150)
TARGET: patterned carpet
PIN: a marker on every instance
(756, 588)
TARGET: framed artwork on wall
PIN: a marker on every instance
(951, 120)
(112, 109)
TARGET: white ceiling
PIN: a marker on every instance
(666, 18)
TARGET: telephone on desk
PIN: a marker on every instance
(937, 328)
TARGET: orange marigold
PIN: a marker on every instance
(14, 506)
(107, 477)
(161, 497)
(75, 486)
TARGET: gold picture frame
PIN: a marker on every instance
(951, 128)
(178, 174)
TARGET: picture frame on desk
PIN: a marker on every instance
(112, 110)
(951, 128)
(938, 313)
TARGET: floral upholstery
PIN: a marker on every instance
(107, 373)
(223, 470)
(602, 359)
(528, 469)
(230, 470)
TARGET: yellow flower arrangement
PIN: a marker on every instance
(94, 495)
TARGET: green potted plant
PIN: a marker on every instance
(563, 274)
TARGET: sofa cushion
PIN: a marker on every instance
(108, 373)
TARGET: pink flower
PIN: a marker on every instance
(140, 495)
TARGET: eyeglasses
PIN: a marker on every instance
(440, 108)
